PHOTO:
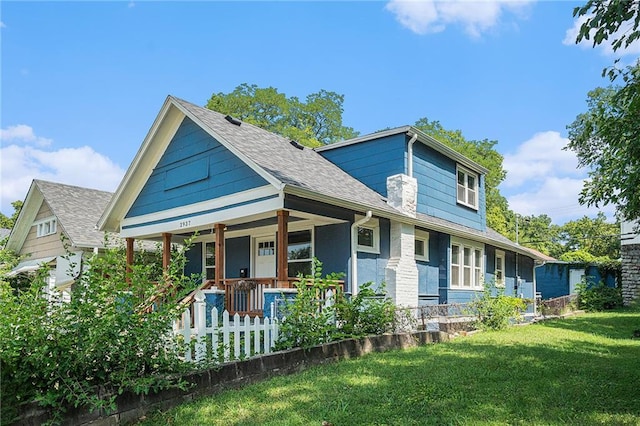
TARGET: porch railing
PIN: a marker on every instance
(245, 296)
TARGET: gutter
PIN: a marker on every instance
(354, 251)
(413, 139)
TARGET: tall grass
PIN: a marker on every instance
(583, 370)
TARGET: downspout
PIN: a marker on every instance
(410, 154)
(354, 251)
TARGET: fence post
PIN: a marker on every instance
(200, 324)
(236, 336)
(186, 333)
(214, 333)
(225, 334)
(267, 336)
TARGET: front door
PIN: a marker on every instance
(265, 257)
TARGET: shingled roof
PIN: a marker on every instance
(289, 164)
(76, 209)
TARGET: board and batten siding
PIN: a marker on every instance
(195, 167)
(371, 162)
(47, 246)
(437, 189)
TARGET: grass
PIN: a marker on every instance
(581, 370)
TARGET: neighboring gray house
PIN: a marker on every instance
(50, 212)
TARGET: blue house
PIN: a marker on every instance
(555, 278)
(395, 207)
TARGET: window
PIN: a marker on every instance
(467, 188)
(46, 227)
(466, 264)
(210, 260)
(369, 236)
(300, 255)
(499, 271)
(422, 245)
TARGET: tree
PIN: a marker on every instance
(606, 138)
(313, 122)
(593, 236)
(537, 232)
(482, 152)
(607, 18)
(8, 222)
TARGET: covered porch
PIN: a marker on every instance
(248, 263)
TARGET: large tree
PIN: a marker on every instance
(606, 138)
(313, 122)
(595, 236)
(484, 153)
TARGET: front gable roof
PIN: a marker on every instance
(287, 166)
(76, 209)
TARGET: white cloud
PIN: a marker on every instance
(22, 133)
(20, 164)
(606, 46)
(432, 16)
(542, 178)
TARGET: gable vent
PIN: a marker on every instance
(232, 120)
(296, 144)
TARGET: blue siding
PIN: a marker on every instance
(333, 248)
(371, 162)
(437, 189)
(371, 267)
(443, 244)
(237, 255)
(428, 271)
(195, 167)
(552, 279)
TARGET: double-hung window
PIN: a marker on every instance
(467, 188)
(300, 253)
(210, 260)
(466, 264)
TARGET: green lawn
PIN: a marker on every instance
(582, 370)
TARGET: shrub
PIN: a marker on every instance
(312, 318)
(113, 336)
(496, 312)
(598, 297)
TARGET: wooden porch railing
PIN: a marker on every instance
(245, 296)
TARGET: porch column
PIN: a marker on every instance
(283, 249)
(219, 254)
(166, 252)
(129, 251)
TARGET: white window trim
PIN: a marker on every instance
(476, 177)
(313, 251)
(473, 246)
(500, 255)
(53, 226)
(204, 258)
(424, 237)
(374, 225)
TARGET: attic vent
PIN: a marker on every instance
(232, 120)
(296, 144)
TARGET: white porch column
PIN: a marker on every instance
(401, 273)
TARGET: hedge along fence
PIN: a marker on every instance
(231, 375)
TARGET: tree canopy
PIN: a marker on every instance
(8, 222)
(606, 138)
(313, 122)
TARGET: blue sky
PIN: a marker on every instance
(82, 82)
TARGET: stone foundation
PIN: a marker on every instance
(630, 255)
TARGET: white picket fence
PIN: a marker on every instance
(236, 338)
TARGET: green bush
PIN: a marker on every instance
(113, 336)
(598, 297)
(311, 319)
(496, 312)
